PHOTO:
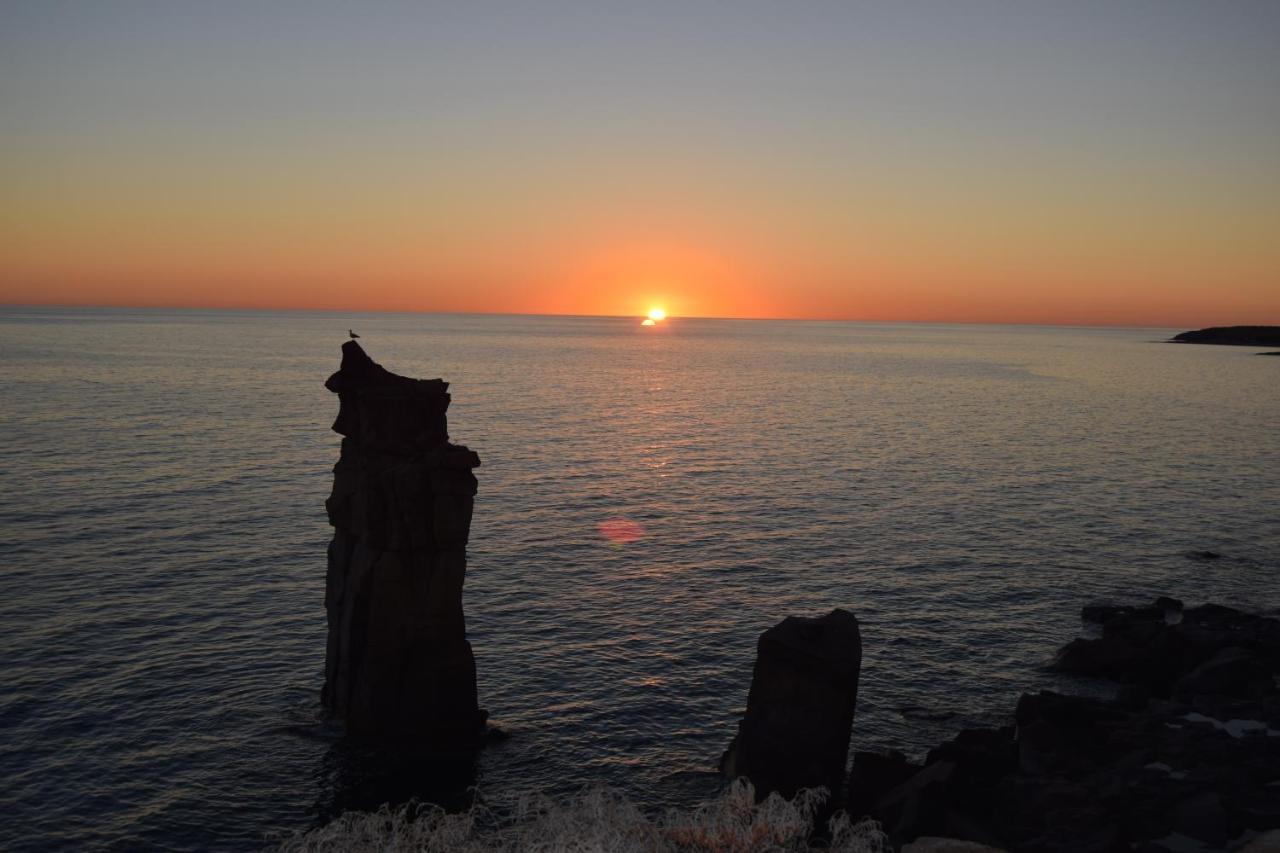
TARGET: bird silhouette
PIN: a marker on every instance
(352, 334)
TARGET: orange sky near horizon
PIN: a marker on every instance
(680, 291)
(1050, 166)
(713, 277)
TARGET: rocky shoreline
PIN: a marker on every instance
(1185, 758)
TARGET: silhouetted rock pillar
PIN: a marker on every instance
(795, 732)
(398, 664)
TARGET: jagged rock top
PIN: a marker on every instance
(385, 411)
(397, 467)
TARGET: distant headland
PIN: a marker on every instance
(1242, 336)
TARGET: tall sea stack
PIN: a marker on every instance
(398, 665)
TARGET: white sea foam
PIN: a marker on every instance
(1236, 728)
(598, 819)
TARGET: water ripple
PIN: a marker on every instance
(963, 490)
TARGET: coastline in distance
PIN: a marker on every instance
(1244, 336)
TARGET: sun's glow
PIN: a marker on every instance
(649, 321)
(657, 314)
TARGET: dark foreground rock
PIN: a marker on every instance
(1140, 772)
(398, 665)
(1245, 336)
(1161, 647)
(795, 732)
(1088, 774)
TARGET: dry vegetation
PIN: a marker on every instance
(597, 820)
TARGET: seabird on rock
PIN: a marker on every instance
(352, 334)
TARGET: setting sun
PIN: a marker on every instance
(656, 316)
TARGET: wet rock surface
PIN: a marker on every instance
(795, 732)
(1186, 757)
(398, 665)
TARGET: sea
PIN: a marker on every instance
(651, 499)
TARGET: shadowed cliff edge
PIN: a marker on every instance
(398, 666)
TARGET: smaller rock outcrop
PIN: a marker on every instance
(1244, 336)
(1163, 647)
(795, 732)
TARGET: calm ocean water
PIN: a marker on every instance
(962, 489)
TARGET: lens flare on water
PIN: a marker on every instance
(620, 531)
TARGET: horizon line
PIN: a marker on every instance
(295, 309)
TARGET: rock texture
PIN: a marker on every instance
(398, 665)
(795, 732)
(1245, 336)
(1167, 649)
(1187, 757)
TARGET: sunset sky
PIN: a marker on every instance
(1076, 162)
